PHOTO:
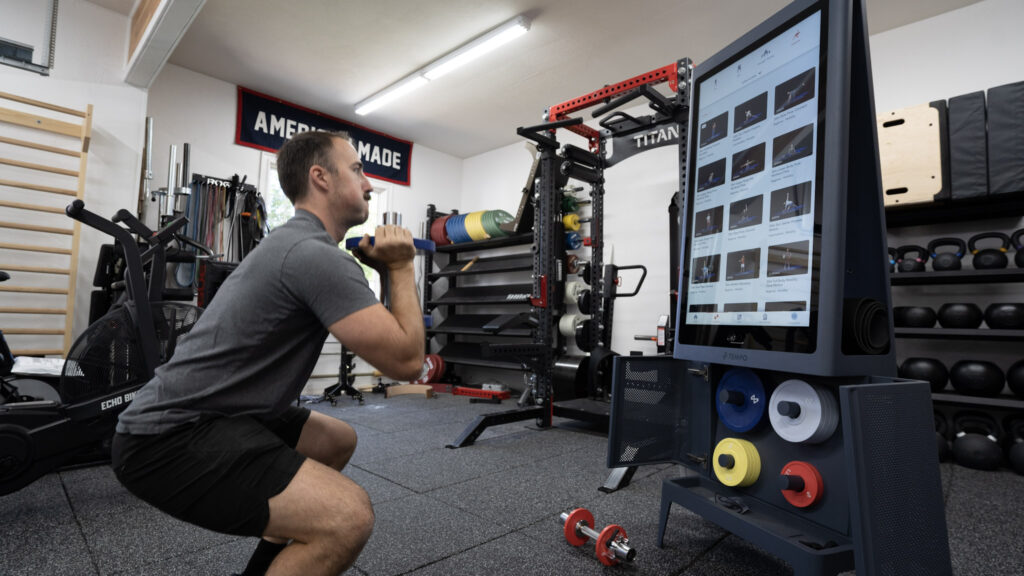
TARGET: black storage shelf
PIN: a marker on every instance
(497, 264)
(958, 277)
(516, 240)
(980, 208)
(473, 325)
(1001, 401)
(494, 294)
(960, 334)
(471, 354)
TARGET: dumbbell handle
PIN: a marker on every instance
(619, 547)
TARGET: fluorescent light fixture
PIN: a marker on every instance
(464, 54)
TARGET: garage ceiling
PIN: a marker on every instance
(330, 54)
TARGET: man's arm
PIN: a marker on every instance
(392, 341)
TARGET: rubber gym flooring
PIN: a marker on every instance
(487, 509)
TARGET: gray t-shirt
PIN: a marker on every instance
(255, 347)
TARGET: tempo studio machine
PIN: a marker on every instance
(781, 402)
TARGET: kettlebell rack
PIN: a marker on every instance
(980, 422)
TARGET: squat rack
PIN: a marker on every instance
(555, 166)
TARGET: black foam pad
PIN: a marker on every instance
(968, 148)
(1006, 138)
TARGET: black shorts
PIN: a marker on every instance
(218, 472)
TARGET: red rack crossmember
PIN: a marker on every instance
(479, 393)
(559, 111)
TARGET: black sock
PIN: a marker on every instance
(262, 557)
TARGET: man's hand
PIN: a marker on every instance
(392, 248)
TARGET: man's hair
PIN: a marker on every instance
(298, 154)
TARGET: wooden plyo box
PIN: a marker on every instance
(913, 154)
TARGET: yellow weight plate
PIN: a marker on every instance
(475, 227)
(571, 222)
(746, 462)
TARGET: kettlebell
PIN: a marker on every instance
(928, 369)
(1015, 378)
(946, 260)
(1018, 258)
(941, 437)
(1005, 316)
(1015, 451)
(989, 258)
(960, 315)
(977, 443)
(915, 264)
(892, 259)
(977, 378)
(913, 317)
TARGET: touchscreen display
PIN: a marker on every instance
(753, 176)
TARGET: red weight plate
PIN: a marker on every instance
(813, 484)
(575, 517)
(604, 553)
(438, 233)
(428, 361)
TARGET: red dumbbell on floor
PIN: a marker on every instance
(612, 545)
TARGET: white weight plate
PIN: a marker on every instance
(805, 425)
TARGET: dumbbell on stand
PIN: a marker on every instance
(612, 545)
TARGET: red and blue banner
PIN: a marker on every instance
(265, 122)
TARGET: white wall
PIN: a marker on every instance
(958, 52)
(88, 68)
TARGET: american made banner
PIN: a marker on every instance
(265, 122)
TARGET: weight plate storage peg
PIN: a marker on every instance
(977, 443)
(1018, 258)
(801, 484)
(736, 462)
(803, 413)
(960, 315)
(915, 264)
(977, 378)
(740, 400)
(930, 370)
(913, 317)
(947, 260)
(989, 258)
(1005, 316)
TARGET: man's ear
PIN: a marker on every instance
(318, 177)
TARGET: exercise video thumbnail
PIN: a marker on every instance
(740, 307)
(798, 89)
(743, 264)
(715, 129)
(708, 222)
(793, 145)
(705, 269)
(791, 201)
(785, 306)
(711, 175)
(748, 162)
(702, 308)
(751, 112)
(746, 212)
(788, 259)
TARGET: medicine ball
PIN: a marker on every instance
(977, 378)
(1018, 258)
(946, 260)
(977, 443)
(989, 258)
(915, 264)
(913, 317)
(1005, 316)
(960, 315)
(1015, 378)
(928, 369)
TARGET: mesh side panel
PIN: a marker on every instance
(107, 356)
(644, 415)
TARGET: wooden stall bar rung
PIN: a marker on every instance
(38, 187)
(33, 207)
(41, 104)
(38, 352)
(16, 310)
(34, 269)
(40, 123)
(30, 248)
(33, 290)
(34, 331)
(37, 146)
(39, 167)
(36, 228)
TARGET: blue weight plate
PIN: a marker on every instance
(745, 416)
